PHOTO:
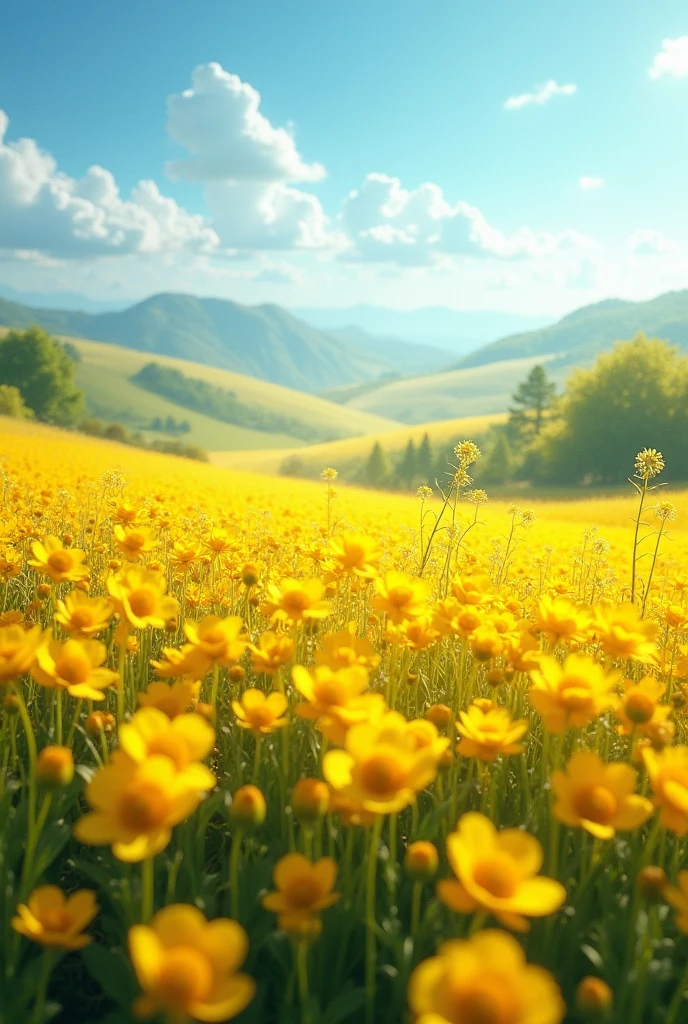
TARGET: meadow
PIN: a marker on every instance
(284, 751)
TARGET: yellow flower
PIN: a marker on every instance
(83, 615)
(136, 806)
(184, 556)
(473, 590)
(677, 897)
(381, 767)
(639, 710)
(560, 618)
(668, 773)
(400, 596)
(303, 888)
(355, 554)
(76, 666)
(52, 919)
(140, 597)
(17, 650)
(598, 797)
(344, 650)
(623, 634)
(59, 563)
(185, 739)
(134, 542)
(416, 634)
(216, 641)
(325, 689)
(259, 713)
(273, 651)
(484, 980)
(496, 872)
(571, 695)
(297, 601)
(188, 966)
(172, 699)
(488, 732)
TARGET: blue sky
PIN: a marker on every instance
(538, 205)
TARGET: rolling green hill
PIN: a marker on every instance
(477, 391)
(265, 341)
(579, 337)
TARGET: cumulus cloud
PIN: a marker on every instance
(389, 223)
(219, 122)
(47, 211)
(588, 183)
(672, 59)
(540, 94)
(649, 242)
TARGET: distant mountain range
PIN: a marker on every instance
(457, 330)
(265, 341)
(579, 337)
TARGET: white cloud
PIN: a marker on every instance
(540, 94)
(219, 122)
(44, 210)
(388, 223)
(588, 183)
(649, 242)
(283, 273)
(672, 59)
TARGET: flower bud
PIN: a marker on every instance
(43, 590)
(10, 704)
(412, 678)
(421, 861)
(206, 711)
(440, 715)
(67, 539)
(495, 677)
(639, 707)
(594, 997)
(651, 882)
(248, 807)
(100, 721)
(254, 600)
(236, 674)
(250, 574)
(310, 799)
(55, 767)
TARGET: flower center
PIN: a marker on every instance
(142, 603)
(186, 977)
(60, 561)
(597, 803)
(483, 1000)
(135, 540)
(302, 892)
(261, 716)
(640, 707)
(55, 919)
(575, 693)
(73, 666)
(330, 693)
(399, 596)
(81, 617)
(143, 808)
(354, 554)
(213, 635)
(497, 874)
(170, 746)
(382, 775)
(295, 601)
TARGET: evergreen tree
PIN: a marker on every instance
(407, 468)
(533, 397)
(424, 461)
(40, 368)
(497, 466)
(377, 467)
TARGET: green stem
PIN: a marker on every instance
(234, 873)
(643, 492)
(302, 973)
(370, 961)
(42, 988)
(72, 728)
(675, 1004)
(32, 792)
(121, 672)
(415, 908)
(147, 889)
(256, 758)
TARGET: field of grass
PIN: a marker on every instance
(104, 373)
(477, 391)
(337, 453)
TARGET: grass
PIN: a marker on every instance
(336, 453)
(477, 391)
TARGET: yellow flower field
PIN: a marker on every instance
(277, 751)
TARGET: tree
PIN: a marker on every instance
(12, 403)
(497, 467)
(407, 467)
(377, 467)
(533, 396)
(40, 368)
(424, 460)
(635, 396)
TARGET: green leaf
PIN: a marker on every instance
(113, 972)
(345, 1004)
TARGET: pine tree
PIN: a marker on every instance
(407, 468)
(377, 468)
(497, 467)
(424, 460)
(533, 396)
